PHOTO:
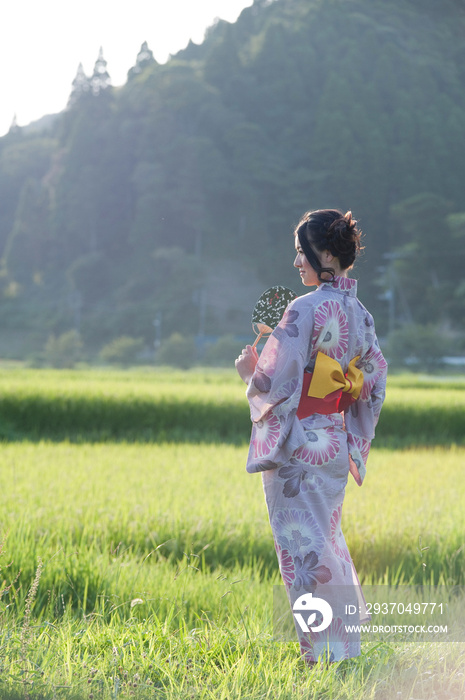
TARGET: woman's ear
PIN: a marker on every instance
(326, 257)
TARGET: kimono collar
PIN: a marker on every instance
(343, 285)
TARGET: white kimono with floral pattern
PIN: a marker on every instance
(305, 463)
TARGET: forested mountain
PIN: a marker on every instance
(173, 198)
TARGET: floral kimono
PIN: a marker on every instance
(305, 462)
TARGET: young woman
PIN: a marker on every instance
(315, 396)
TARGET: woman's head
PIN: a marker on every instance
(329, 231)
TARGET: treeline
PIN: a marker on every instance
(167, 205)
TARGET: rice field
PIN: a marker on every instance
(137, 564)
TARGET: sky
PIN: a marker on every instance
(42, 43)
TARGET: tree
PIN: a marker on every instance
(27, 250)
(124, 350)
(419, 223)
(300, 104)
(14, 128)
(81, 85)
(100, 80)
(144, 59)
(63, 351)
(456, 260)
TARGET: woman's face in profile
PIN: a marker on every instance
(307, 274)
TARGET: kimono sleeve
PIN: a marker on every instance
(362, 417)
(274, 390)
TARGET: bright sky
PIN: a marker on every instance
(42, 43)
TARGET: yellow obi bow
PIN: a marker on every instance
(329, 377)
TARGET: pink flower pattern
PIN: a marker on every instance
(330, 330)
(373, 366)
(365, 335)
(337, 538)
(321, 447)
(331, 644)
(306, 648)
(286, 565)
(285, 390)
(265, 435)
(334, 640)
(344, 283)
(297, 531)
(304, 463)
(362, 445)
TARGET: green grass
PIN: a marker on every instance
(89, 659)
(82, 502)
(159, 566)
(196, 406)
(184, 529)
(137, 405)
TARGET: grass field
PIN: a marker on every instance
(141, 568)
(196, 406)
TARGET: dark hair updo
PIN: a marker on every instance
(329, 229)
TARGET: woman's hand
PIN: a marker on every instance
(354, 471)
(245, 363)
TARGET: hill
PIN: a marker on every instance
(174, 197)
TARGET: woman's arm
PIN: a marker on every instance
(362, 417)
(274, 388)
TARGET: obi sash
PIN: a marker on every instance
(327, 389)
